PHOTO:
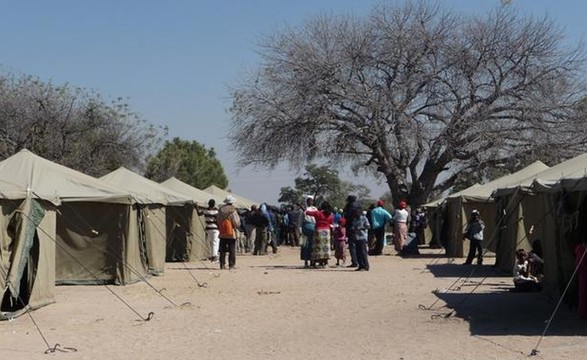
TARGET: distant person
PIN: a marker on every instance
(250, 229)
(360, 226)
(420, 222)
(400, 219)
(210, 213)
(322, 234)
(294, 225)
(379, 219)
(474, 232)
(340, 242)
(260, 223)
(271, 239)
(228, 222)
(349, 213)
(308, 228)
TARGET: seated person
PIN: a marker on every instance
(523, 279)
(535, 262)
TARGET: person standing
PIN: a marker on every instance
(228, 222)
(308, 228)
(294, 223)
(474, 232)
(401, 218)
(210, 214)
(379, 218)
(340, 241)
(360, 226)
(322, 234)
(349, 213)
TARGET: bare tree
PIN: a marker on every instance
(421, 96)
(74, 127)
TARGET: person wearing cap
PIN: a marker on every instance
(401, 218)
(228, 223)
(474, 232)
(379, 218)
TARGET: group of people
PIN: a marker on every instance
(318, 231)
(325, 229)
(351, 229)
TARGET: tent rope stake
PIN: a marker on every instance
(58, 347)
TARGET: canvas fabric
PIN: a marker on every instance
(27, 256)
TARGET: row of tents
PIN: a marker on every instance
(551, 200)
(60, 226)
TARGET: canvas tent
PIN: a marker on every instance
(460, 205)
(96, 240)
(554, 205)
(241, 202)
(27, 252)
(163, 214)
(196, 246)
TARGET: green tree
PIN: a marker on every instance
(188, 161)
(324, 184)
(417, 95)
(74, 127)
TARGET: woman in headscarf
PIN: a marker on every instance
(322, 234)
(400, 229)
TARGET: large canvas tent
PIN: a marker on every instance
(553, 203)
(163, 214)
(96, 239)
(460, 205)
(196, 246)
(27, 252)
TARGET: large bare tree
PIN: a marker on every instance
(421, 96)
(72, 126)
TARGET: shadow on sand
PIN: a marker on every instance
(458, 270)
(512, 313)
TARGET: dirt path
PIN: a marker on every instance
(272, 308)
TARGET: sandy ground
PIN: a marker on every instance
(271, 308)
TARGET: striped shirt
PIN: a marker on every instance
(210, 218)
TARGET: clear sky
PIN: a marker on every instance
(175, 60)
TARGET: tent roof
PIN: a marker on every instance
(240, 201)
(12, 191)
(438, 202)
(145, 190)
(570, 174)
(199, 196)
(56, 183)
(485, 191)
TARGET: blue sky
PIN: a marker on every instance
(175, 60)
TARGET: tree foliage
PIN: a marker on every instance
(324, 184)
(74, 127)
(188, 161)
(423, 97)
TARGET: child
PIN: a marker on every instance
(340, 242)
